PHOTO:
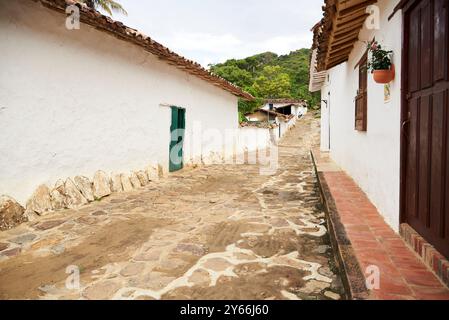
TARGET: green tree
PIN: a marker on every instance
(234, 74)
(249, 106)
(107, 5)
(295, 65)
(273, 83)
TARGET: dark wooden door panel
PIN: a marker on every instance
(437, 164)
(426, 142)
(426, 44)
(423, 159)
(411, 164)
(440, 41)
(413, 51)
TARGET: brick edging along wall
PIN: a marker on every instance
(352, 275)
(429, 255)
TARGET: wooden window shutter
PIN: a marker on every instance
(361, 100)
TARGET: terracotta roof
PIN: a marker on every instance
(335, 35)
(270, 112)
(118, 29)
(286, 101)
(258, 124)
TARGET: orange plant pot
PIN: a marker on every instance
(384, 76)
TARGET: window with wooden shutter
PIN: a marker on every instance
(361, 100)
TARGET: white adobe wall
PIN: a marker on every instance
(73, 102)
(372, 158)
(325, 117)
(253, 138)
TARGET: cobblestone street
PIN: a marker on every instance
(213, 232)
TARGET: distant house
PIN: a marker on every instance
(281, 113)
(262, 115)
(101, 97)
(296, 107)
(393, 138)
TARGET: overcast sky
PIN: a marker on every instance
(211, 31)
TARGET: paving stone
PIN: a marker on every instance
(326, 271)
(172, 263)
(58, 249)
(217, 264)
(195, 249)
(49, 224)
(45, 243)
(4, 246)
(200, 278)
(23, 239)
(332, 295)
(99, 213)
(101, 291)
(157, 281)
(314, 287)
(322, 249)
(11, 252)
(132, 269)
(87, 220)
(150, 255)
(279, 222)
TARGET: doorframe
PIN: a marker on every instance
(404, 116)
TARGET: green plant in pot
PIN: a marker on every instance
(380, 63)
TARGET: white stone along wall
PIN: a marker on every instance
(74, 102)
(372, 158)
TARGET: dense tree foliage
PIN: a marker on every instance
(268, 75)
(272, 83)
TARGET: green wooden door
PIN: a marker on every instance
(177, 128)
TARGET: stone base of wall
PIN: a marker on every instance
(431, 257)
(73, 193)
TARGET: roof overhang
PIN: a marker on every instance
(317, 78)
(336, 34)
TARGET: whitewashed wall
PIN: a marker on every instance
(253, 138)
(372, 158)
(73, 102)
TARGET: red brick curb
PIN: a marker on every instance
(352, 275)
(362, 240)
(431, 257)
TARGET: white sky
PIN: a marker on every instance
(211, 31)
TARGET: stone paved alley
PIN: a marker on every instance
(215, 232)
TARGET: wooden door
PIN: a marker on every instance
(425, 175)
(177, 129)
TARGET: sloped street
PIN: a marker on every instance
(214, 232)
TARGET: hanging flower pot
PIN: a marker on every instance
(380, 63)
(384, 76)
